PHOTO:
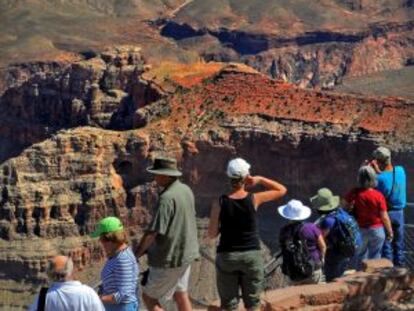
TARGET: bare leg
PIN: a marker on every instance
(183, 301)
(151, 303)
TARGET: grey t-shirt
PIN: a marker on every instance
(174, 220)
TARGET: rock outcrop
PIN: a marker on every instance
(63, 185)
(379, 288)
(42, 98)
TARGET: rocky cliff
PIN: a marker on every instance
(79, 136)
(320, 58)
(42, 98)
(314, 44)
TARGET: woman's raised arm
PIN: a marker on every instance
(275, 190)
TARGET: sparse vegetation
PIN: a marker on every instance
(283, 16)
(44, 29)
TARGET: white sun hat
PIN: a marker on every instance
(238, 168)
(294, 210)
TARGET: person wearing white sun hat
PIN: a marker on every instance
(302, 244)
(239, 262)
(294, 210)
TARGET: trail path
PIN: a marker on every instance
(176, 10)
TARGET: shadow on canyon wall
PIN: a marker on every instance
(43, 98)
(303, 167)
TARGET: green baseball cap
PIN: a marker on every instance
(106, 225)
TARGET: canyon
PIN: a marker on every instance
(311, 45)
(313, 58)
(78, 137)
(91, 91)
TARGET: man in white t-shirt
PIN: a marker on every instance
(66, 294)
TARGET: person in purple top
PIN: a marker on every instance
(314, 241)
(308, 232)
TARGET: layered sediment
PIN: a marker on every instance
(42, 98)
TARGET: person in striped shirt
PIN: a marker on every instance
(119, 276)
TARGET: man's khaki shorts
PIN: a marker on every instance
(164, 282)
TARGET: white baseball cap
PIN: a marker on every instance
(238, 168)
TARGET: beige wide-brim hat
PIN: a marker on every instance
(294, 210)
(164, 166)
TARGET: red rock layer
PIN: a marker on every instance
(238, 93)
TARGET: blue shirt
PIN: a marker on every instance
(120, 277)
(398, 198)
(328, 223)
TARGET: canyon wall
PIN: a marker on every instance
(42, 98)
(321, 58)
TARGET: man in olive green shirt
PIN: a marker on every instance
(171, 240)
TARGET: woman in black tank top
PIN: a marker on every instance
(239, 262)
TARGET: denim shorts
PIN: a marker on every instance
(372, 242)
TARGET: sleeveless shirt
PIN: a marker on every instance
(238, 225)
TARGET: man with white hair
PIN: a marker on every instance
(65, 294)
(393, 185)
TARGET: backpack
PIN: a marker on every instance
(346, 235)
(297, 262)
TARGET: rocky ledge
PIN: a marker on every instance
(378, 287)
